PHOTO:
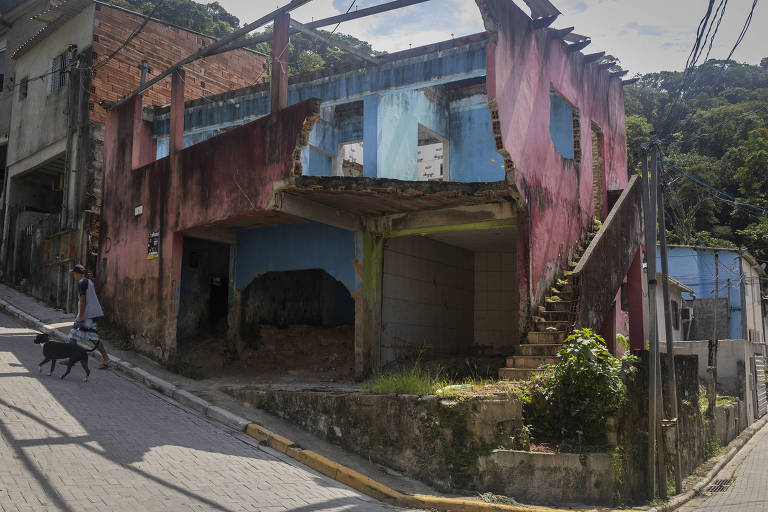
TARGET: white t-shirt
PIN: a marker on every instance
(92, 305)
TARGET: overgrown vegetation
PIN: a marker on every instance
(721, 138)
(418, 381)
(569, 403)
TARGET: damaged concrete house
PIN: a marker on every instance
(439, 202)
(65, 59)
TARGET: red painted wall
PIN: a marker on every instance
(225, 177)
(523, 65)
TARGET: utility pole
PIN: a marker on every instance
(668, 323)
(713, 394)
(650, 251)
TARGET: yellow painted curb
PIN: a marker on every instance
(380, 491)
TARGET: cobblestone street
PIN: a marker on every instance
(111, 444)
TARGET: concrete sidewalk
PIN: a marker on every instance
(196, 393)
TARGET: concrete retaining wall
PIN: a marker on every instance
(549, 477)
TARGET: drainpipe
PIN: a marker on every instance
(143, 68)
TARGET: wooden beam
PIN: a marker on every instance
(606, 65)
(278, 84)
(361, 13)
(619, 74)
(630, 81)
(592, 57)
(560, 33)
(575, 47)
(336, 44)
(544, 21)
(211, 49)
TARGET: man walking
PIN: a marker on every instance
(88, 309)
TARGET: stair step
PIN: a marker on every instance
(546, 326)
(544, 349)
(516, 373)
(555, 315)
(563, 305)
(546, 338)
(530, 361)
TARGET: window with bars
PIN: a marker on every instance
(58, 72)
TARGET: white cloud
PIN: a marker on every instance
(649, 35)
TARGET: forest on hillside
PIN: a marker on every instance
(714, 136)
(714, 142)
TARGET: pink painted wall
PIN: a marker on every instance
(225, 177)
(523, 66)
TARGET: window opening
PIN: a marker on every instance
(58, 72)
(351, 159)
(23, 88)
(564, 127)
(432, 156)
(675, 315)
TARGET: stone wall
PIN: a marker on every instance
(438, 441)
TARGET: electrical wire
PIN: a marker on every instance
(130, 37)
(339, 23)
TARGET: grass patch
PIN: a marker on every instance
(177, 365)
(418, 381)
(726, 400)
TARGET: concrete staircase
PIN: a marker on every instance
(552, 324)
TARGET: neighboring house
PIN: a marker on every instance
(736, 301)
(431, 201)
(679, 313)
(63, 73)
(16, 26)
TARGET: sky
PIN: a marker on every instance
(646, 35)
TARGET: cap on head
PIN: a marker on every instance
(79, 269)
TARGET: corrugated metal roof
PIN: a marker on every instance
(55, 18)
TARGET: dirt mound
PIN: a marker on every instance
(298, 350)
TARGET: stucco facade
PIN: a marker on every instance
(436, 269)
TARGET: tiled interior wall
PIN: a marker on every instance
(428, 299)
(496, 309)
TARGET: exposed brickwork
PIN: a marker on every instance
(598, 172)
(576, 137)
(161, 46)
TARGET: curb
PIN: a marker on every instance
(697, 489)
(321, 464)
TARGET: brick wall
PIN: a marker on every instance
(161, 46)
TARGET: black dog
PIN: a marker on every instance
(53, 350)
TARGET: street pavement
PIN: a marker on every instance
(111, 445)
(747, 474)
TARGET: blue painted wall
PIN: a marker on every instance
(473, 155)
(561, 125)
(296, 247)
(400, 114)
(695, 268)
(389, 125)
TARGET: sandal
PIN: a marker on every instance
(104, 366)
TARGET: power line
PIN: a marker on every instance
(130, 37)
(339, 23)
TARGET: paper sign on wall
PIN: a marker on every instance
(153, 246)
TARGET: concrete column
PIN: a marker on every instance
(279, 81)
(368, 308)
(176, 134)
(637, 331)
(371, 133)
(171, 252)
(144, 145)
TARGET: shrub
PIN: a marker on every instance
(569, 402)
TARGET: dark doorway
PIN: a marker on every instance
(204, 301)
